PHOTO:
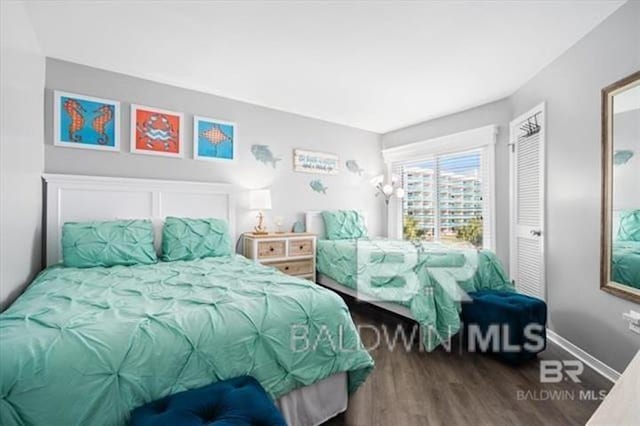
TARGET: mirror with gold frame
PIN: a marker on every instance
(620, 251)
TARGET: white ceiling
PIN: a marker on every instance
(627, 100)
(372, 65)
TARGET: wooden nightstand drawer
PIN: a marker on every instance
(284, 251)
(301, 247)
(295, 267)
(271, 249)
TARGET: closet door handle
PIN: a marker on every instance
(536, 232)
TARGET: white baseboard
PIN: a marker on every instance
(600, 367)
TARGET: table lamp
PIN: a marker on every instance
(260, 199)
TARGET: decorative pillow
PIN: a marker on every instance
(629, 229)
(343, 224)
(188, 239)
(119, 242)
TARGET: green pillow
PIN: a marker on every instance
(188, 239)
(629, 229)
(344, 224)
(118, 242)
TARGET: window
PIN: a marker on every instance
(443, 199)
(448, 187)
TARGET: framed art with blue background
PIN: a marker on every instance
(214, 140)
(85, 122)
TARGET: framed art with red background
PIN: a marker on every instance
(156, 131)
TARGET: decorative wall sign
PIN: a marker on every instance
(85, 122)
(315, 162)
(214, 140)
(263, 154)
(353, 167)
(318, 186)
(156, 131)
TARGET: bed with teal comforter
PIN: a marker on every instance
(428, 278)
(625, 263)
(85, 346)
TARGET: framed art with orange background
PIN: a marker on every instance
(156, 131)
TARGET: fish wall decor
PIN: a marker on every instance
(352, 166)
(318, 186)
(263, 154)
(622, 156)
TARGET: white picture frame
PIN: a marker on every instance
(228, 129)
(87, 119)
(162, 135)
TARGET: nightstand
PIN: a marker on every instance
(292, 253)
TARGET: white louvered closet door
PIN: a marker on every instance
(527, 262)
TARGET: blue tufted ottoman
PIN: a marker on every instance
(234, 402)
(512, 325)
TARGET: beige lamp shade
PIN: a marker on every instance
(260, 199)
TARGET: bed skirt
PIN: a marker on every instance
(315, 404)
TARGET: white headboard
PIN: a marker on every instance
(73, 198)
(314, 222)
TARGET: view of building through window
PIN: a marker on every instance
(443, 200)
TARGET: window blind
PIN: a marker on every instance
(446, 198)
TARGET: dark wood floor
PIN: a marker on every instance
(459, 388)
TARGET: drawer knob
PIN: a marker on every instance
(301, 247)
(286, 268)
(271, 249)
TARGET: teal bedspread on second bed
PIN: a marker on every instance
(427, 278)
(625, 263)
(85, 346)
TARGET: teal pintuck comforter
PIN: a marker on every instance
(430, 279)
(85, 346)
(625, 263)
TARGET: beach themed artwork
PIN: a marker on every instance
(214, 140)
(318, 186)
(86, 122)
(263, 154)
(156, 131)
(353, 167)
(315, 162)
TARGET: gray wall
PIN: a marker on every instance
(626, 177)
(21, 151)
(579, 310)
(290, 191)
(498, 113)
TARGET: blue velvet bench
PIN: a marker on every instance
(512, 325)
(235, 402)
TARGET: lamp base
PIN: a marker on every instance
(260, 229)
